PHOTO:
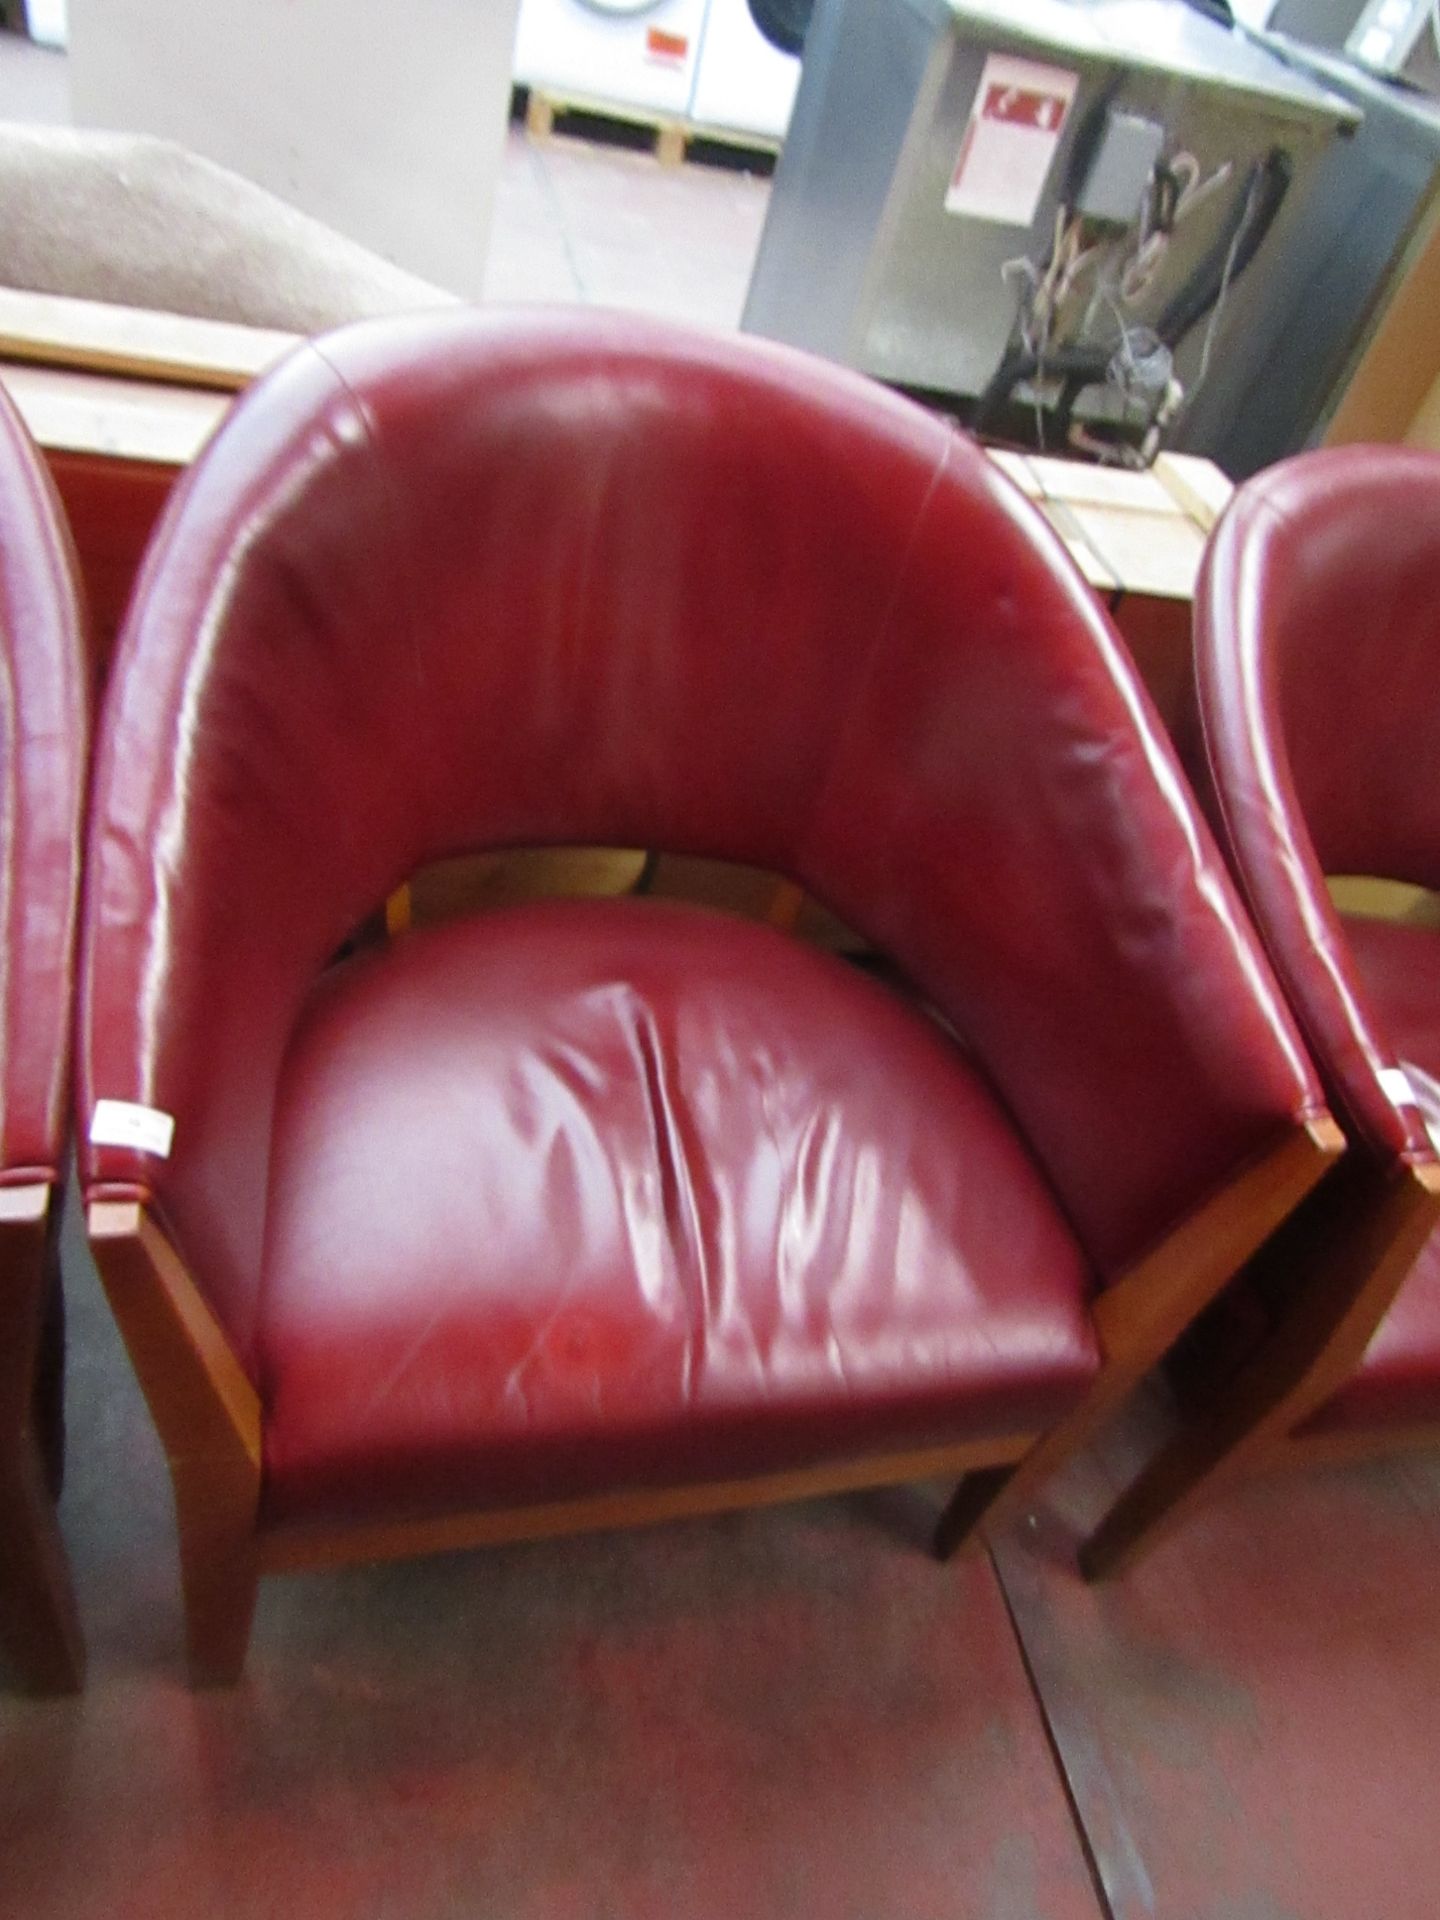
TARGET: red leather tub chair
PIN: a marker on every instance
(1317, 746)
(43, 758)
(588, 1213)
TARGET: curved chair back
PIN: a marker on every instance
(43, 712)
(479, 581)
(1317, 667)
(43, 716)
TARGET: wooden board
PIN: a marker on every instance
(1021, 470)
(670, 133)
(1082, 551)
(1198, 487)
(1084, 484)
(1156, 632)
(93, 336)
(113, 418)
(1146, 553)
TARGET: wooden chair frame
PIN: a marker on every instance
(39, 1622)
(210, 1417)
(1355, 1242)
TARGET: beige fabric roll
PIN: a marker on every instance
(140, 221)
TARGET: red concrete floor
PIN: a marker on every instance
(794, 1713)
(1249, 1722)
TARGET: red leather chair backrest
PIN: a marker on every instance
(43, 754)
(1318, 675)
(480, 580)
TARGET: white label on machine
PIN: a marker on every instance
(1014, 130)
(666, 49)
(125, 1123)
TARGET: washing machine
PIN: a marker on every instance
(746, 81)
(640, 54)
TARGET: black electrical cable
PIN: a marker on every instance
(1250, 220)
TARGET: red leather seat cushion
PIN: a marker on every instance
(1398, 1380)
(583, 1195)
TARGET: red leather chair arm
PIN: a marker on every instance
(43, 711)
(1314, 674)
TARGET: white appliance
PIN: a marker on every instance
(625, 53)
(46, 22)
(744, 84)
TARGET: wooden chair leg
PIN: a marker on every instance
(1141, 1315)
(998, 1496)
(39, 1622)
(959, 1525)
(1196, 1464)
(219, 1569)
(208, 1415)
(1354, 1242)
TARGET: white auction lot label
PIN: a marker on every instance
(125, 1123)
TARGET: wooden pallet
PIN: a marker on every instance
(672, 138)
(1138, 539)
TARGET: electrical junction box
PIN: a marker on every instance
(1118, 177)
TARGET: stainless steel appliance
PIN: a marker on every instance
(1055, 211)
(1399, 39)
(1331, 273)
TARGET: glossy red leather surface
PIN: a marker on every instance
(590, 1194)
(43, 753)
(1398, 1379)
(488, 579)
(1317, 646)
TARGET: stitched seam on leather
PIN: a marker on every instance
(884, 627)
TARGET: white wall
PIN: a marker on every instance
(387, 121)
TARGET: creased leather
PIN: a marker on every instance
(696, 1199)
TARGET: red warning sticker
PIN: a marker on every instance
(1011, 140)
(1023, 107)
(669, 48)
